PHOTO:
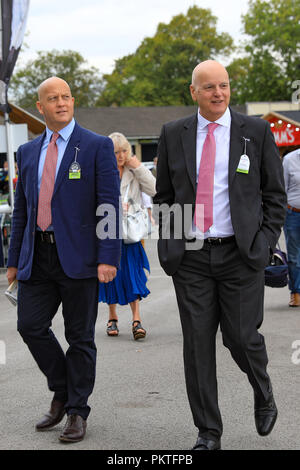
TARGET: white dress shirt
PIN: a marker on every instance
(62, 142)
(222, 226)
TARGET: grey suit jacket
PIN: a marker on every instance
(257, 199)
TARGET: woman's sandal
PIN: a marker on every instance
(137, 330)
(112, 329)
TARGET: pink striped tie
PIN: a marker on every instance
(205, 187)
(44, 217)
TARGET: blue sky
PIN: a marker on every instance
(105, 30)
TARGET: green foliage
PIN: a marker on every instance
(159, 72)
(84, 81)
(257, 78)
(271, 62)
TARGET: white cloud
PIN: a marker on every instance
(105, 30)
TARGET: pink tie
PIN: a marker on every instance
(44, 216)
(205, 187)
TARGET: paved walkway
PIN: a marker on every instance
(139, 401)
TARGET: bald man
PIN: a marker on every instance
(222, 170)
(64, 176)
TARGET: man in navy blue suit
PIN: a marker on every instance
(61, 263)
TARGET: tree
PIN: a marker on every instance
(159, 72)
(271, 62)
(84, 81)
(257, 78)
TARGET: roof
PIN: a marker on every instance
(134, 122)
(139, 122)
(19, 116)
(292, 115)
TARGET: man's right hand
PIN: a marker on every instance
(11, 274)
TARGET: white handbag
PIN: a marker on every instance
(134, 224)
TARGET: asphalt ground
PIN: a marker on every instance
(139, 401)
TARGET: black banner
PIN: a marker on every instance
(13, 15)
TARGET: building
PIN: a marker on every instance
(35, 125)
(284, 118)
(285, 126)
(142, 125)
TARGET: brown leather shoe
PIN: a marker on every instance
(74, 430)
(53, 417)
(295, 300)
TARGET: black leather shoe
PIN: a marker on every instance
(53, 417)
(265, 413)
(207, 444)
(74, 430)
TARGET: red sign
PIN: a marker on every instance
(285, 133)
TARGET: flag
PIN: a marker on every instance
(13, 16)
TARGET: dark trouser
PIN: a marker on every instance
(292, 237)
(72, 375)
(215, 287)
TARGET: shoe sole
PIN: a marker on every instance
(68, 440)
(197, 450)
(139, 336)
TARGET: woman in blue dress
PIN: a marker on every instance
(129, 286)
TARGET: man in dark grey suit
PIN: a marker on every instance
(218, 267)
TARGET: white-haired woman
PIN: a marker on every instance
(129, 286)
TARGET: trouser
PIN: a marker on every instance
(292, 237)
(215, 287)
(70, 375)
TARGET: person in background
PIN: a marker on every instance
(129, 286)
(148, 203)
(291, 171)
(4, 185)
(15, 180)
(154, 169)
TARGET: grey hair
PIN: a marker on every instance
(119, 140)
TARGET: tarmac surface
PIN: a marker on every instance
(139, 401)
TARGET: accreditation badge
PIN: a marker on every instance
(244, 164)
(75, 171)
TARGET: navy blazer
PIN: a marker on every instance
(74, 205)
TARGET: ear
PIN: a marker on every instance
(39, 107)
(193, 93)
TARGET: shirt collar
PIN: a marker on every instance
(224, 120)
(64, 133)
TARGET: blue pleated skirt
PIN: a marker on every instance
(130, 281)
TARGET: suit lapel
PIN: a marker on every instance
(189, 139)
(69, 156)
(236, 144)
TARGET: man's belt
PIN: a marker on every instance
(294, 209)
(46, 237)
(219, 241)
